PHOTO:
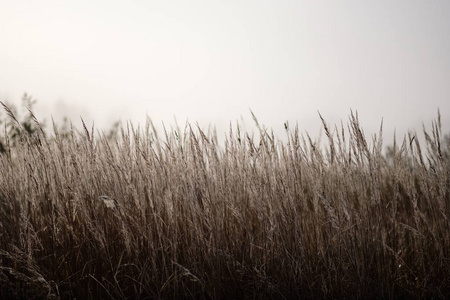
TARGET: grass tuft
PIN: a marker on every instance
(148, 216)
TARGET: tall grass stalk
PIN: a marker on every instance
(179, 216)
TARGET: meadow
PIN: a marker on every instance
(176, 215)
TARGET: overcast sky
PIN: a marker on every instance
(212, 61)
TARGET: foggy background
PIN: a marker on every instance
(212, 61)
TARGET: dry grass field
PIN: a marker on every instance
(175, 215)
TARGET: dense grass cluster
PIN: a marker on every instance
(178, 216)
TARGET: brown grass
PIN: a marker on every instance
(145, 217)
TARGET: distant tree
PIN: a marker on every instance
(14, 126)
(437, 144)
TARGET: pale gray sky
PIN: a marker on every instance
(210, 61)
